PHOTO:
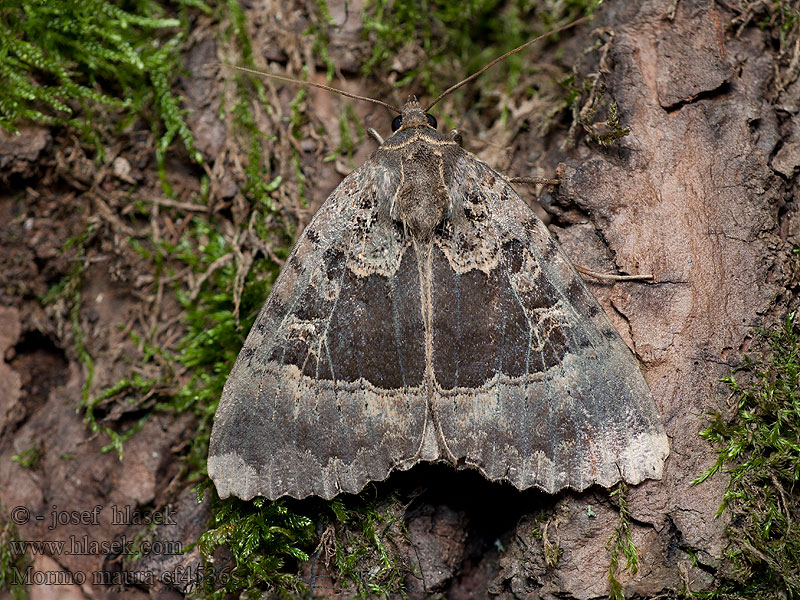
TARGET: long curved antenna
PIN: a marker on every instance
(506, 55)
(317, 85)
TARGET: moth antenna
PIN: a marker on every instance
(506, 55)
(317, 85)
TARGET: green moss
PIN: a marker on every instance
(782, 15)
(30, 457)
(621, 545)
(64, 62)
(615, 130)
(260, 537)
(758, 446)
(253, 547)
(545, 530)
(589, 100)
(12, 563)
(551, 542)
(366, 537)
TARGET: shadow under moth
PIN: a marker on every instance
(426, 314)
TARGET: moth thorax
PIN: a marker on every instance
(422, 196)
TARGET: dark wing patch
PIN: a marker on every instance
(534, 385)
(475, 319)
(310, 406)
(376, 332)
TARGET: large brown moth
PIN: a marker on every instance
(426, 314)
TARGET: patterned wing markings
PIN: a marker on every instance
(533, 384)
(313, 405)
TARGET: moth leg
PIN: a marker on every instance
(375, 135)
(455, 135)
(610, 276)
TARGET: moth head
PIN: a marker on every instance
(413, 116)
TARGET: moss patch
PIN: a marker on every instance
(365, 538)
(64, 62)
(257, 540)
(758, 445)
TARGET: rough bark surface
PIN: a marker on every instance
(701, 194)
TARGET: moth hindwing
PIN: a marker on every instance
(426, 314)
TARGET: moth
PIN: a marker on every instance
(426, 314)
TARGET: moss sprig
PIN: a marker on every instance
(621, 545)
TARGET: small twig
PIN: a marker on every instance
(155, 309)
(90, 259)
(325, 541)
(106, 214)
(154, 213)
(535, 180)
(787, 513)
(176, 204)
(611, 276)
(244, 260)
(314, 575)
(220, 262)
